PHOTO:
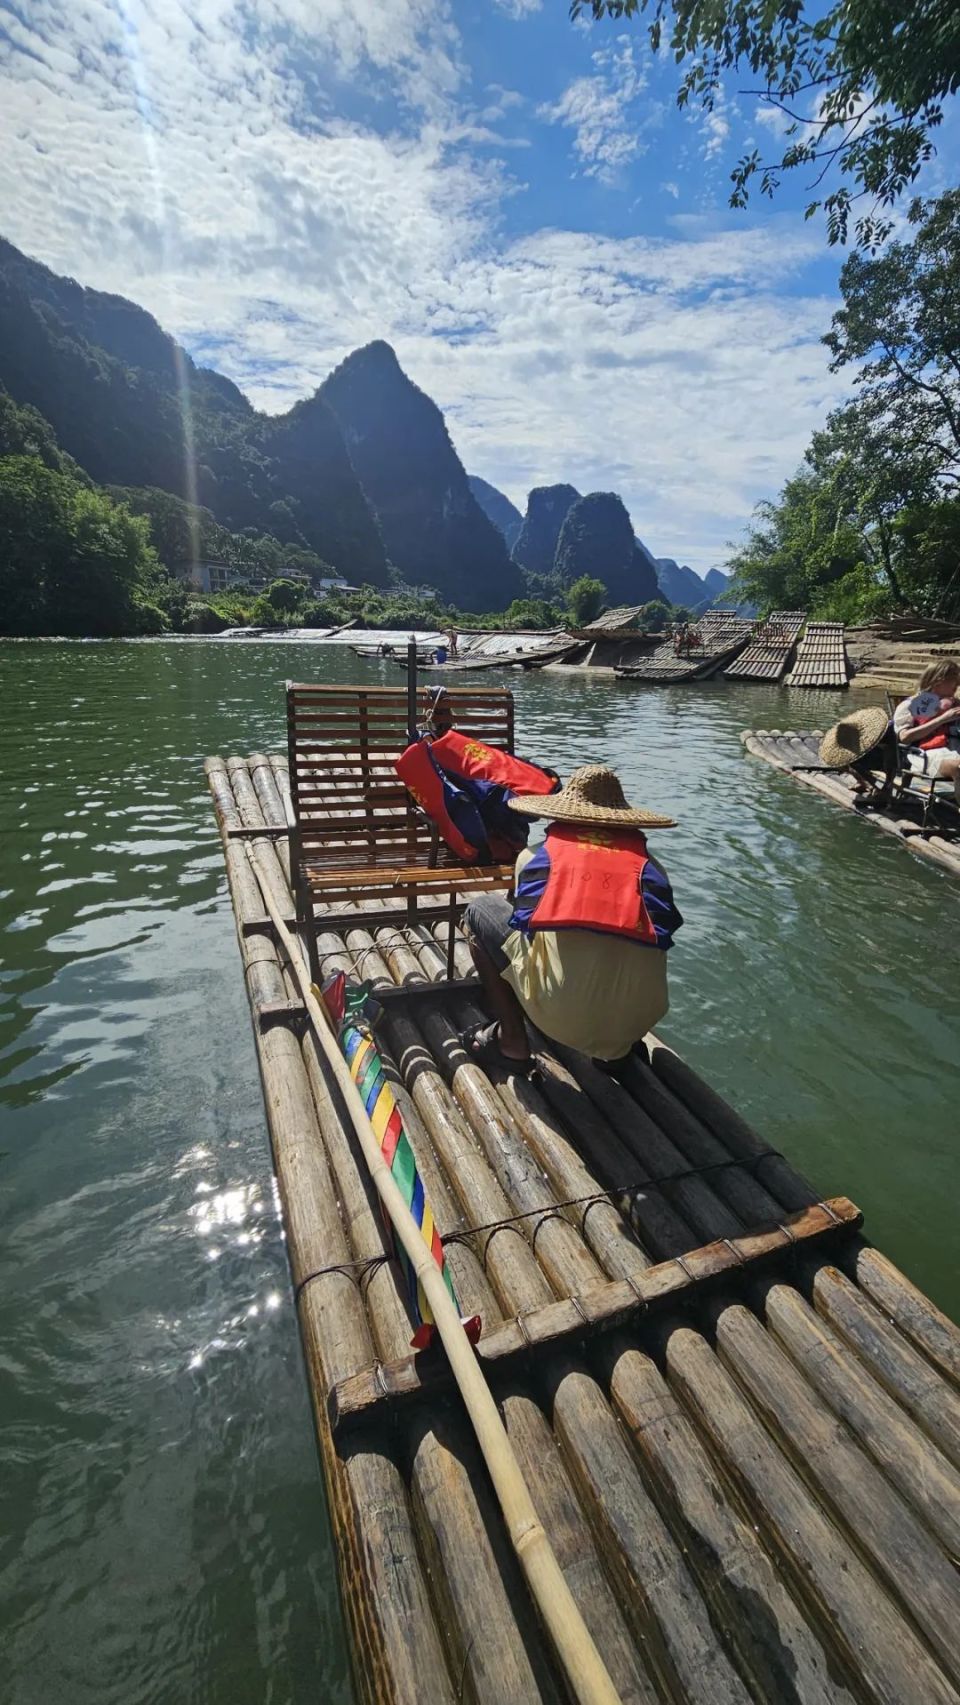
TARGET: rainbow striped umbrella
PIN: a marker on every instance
(349, 1006)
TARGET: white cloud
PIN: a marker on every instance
(518, 8)
(599, 109)
(165, 159)
(670, 188)
(715, 126)
(773, 118)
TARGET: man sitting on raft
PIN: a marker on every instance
(582, 950)
(927, 725)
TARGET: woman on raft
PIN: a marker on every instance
(581, 951)
(927, 724)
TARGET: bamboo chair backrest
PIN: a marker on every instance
(352, 812)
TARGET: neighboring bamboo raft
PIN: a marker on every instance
(821, 657)
(753, 1487)
(767, 656)
(797, 754)
(722, 637)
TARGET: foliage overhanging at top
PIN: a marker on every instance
(872, 521)
(862, 87)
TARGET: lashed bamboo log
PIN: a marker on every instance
(912, 1463)
(900, 1547)
(582, 1663)
(917, 1317)
(875, 1642)
(900, 1369)
(682, 1645)
(394, 1635)
(774, 1643)
(704, 1215)
(552, 1325)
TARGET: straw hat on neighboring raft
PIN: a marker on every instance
(592, 795)
(850, 740)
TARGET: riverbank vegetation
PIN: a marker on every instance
(871, 522)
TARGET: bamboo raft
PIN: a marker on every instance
(529, 659)
(738, 1421)
(796, 754)
(821, 659)
(768, 655)
(723, 637)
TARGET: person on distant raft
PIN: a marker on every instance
(452, 647)
(582, 949)
(927, 725)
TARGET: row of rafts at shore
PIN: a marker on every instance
(785, 645)
(739, 1422)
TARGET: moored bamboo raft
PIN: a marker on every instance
(722, 638)
(768, 655)
(796, 754)
(738, 1421)
(821, 659)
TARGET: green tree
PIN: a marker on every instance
(24, 432)
(71, 561)
(900, 325)
(927, 545)
(585, 599)
(862, 85)
(797, 547)
(654, 616)
(532, 613)
(280, 600)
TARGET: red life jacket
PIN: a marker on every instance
(458, 755)
(935, 740)
(595, 882)
(422, 779)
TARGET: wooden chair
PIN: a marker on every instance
(905, 778)
(360, 847)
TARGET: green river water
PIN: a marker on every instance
(163, 1536)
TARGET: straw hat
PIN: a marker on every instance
(592, 795)
(848, 741)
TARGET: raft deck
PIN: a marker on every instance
(739, 1421)
(821, 659)
(797, 754)
(723, 637)
(767, 656)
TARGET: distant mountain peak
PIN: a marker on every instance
(497, 508)
(597, 539)
(547, 508)
(434, 530)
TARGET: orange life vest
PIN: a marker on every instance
(463, 786)
(423, 780)
(935, 740)
(458, 755)
(595, 882)
(942, 736)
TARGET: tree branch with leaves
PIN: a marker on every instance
(863, 87)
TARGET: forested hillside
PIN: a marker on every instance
(359, 480)
(133, 409)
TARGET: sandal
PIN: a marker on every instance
(481, 1045)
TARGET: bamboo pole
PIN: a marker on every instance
(876, 1642)
(917, 1317)
(899, 1546)
(587, 1675)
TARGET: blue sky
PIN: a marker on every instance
(512, 201)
